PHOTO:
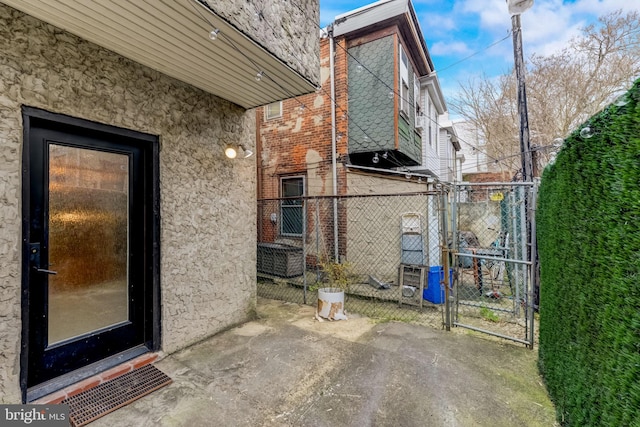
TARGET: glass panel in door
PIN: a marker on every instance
(88, 241)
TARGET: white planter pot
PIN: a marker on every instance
(331, 303)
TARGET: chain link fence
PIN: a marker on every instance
(385, 251)
(491, 259)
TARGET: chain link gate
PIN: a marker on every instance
(389, 247)
(491, 256)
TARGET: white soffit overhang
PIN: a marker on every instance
(171, 36)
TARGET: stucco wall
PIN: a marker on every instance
(374, 223)
(207, 201)
(287, 29)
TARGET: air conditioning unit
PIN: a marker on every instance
(421, 122)
(277, 259)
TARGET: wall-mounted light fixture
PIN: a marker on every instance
(231, 151)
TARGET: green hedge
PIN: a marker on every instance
(588, 224)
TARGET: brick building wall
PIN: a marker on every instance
(298, 143)
(481, 193)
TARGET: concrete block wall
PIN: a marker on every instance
(208, 243)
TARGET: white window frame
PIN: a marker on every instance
(416, 97)
(268, 114)
(289, 207)
(404, 82)
(429, 121)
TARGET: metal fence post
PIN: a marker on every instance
(534, 264)
(445, 259)
(454, 246)
(524, 250)
(317, 227)
(304, 250)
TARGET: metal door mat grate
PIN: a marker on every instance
(113, 394)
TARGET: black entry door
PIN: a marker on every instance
(88, 265)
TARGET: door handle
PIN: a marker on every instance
(34, 259)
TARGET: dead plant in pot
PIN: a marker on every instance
(338, 277)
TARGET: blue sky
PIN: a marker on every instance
(456, 29)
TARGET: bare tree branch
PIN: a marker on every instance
(563, 89)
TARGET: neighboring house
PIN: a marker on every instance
(478, 166)
(372, 128)
(441, 155)
(113, 121)
(472, 148)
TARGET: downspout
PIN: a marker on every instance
(334, 166)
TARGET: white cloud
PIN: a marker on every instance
(493, 14)
(434, 24)
(600, 7)
(448, 48)
(544, 22)
(550, 24)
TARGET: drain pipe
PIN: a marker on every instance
(334, 166)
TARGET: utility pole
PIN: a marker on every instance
(525, 144)
(516, 8)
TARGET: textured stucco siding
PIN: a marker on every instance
(287, 29)
(208, 207)
(374, 223)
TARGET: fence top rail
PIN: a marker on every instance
(353, 196)
(491, 258)
(494, 184)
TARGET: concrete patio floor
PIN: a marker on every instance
(288, 369)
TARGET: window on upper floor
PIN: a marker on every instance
(436, 135)
(404, 96)
(292, 209)
(273, 111)
(416, 94)
(428, 119)
(404, 82)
